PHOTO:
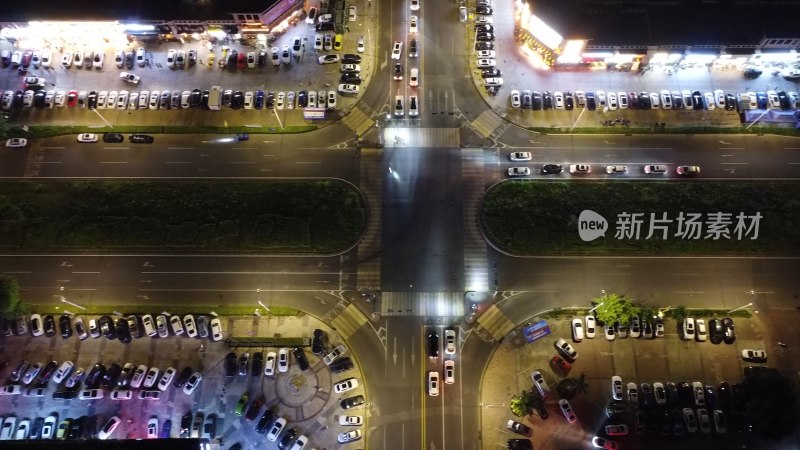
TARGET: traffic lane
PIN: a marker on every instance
(199, 277)
(694, 282)
(187, 156)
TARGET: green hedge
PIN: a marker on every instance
(43, 131)
(319, 216)
(533, 217)
(680, 129)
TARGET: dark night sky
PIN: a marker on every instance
(130, 9)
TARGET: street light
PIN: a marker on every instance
(598, 305)
(741, 307)
(64, 300)
(266, 308)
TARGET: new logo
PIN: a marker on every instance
(591, 225)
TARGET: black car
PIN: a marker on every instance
(698, 103)
(547, 100)
(288, 437)
(527, 102)
(186, 422)
(412, 48)
(646, 395)
(107, 327)
(204, 99)
(38, 99)
(182, 377)
(166, 428)
(349, 58)
(302, 99)
(730, 333)
(318, 343)
(724, 395)
(591, 101)
(262, 58)
(66, 326)
(237, 101)
(300, 356)
(519, 444)
(740, 397)
(258, 363)
(484, 37)
(398, 71)
(194, 99)
(227, 95)
(341, 364)
(49, 326)
(230, 364)
(123, 332)
(491, 73)
(141, 139)
(569, 101)
(92, 380)
(164, 100)
(76, 428)
(48, 371)
(730, 102)
(673, 398)
(269, 101)
(484, 45)
(113, 137)
(129, 60)
(752, 72)
(536, 99)
(484, 28)
(324, 26)
(687, 397)
(265, 421)
(784, 101)
(644, 100)
(68, 394)
(350, 78)
(552, 169)
(111, 376)
(433, 343)
(716, 331)
(352, 402)
(242, 369)
(485, 10)
(233, 57)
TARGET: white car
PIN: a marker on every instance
(277, 427)
(576, 169)
(175, 323)
(47, 58)
(191, 328)
(99, 58)
(591, 327)
(348, 89)
(75, 378)
(415, 5)
(129, 77)
(91, 394)
(577, 329)
(450, 342)
(166, 379)
(283, 360)
(519, 171)
(633, 393)
(433, 383)
(138, 376)
(23, 430)
(269, 364)
(699, 393)
(140, 57)
(566, 349)
(397, 50)
(216, 329)
(151, 377)
(655, 169)
(329, 59)
(754, 355)
(516, 101)
(16, 142)
(49, 427)
(413, 106)
(412, 27)
(710, 103)
(152, 428)
(413, 78)
(449, 371)
(280, 100)
(192, 383)
(290, 100)
(352, 14)
(351, 420)
(360, 44)
(121, 394)
(345, 385)
(616, 387)
(520, 156)
(9, 426)
(566, 409)
(486, 63)
(540, 383)
(108, 428)
(63, 372)
(688, 329)
(350, 68)
(616, 169)
(349, 436)
(338, 351)
(493, 81)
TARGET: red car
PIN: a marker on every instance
(255, 407)
(558, 363)
(72, 99)
(242, 61)
(26, 58)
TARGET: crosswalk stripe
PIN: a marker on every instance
(422, 137)
(429, 304)
(358, 121)
(476, 266)
(495, 322)
(486, 123)
(349, 321)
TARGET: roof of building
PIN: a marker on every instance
(133, 9)
(127, 444)
(670, 22)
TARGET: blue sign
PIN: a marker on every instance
(536, 331)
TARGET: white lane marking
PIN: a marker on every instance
(736, 163)
(308, 162)
(50, 162)
(730, 148)
(85, 272)
(241, 162)
(180, 148)
(116, 148)
(177, 162)
(113, 162)
(243, 148)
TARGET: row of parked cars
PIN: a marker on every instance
(638, 327)
(665, 99)
(124, 328)
(718, 330)
(258, 99)
(484, 47)
(586, 168)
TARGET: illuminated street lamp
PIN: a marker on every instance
(741, 307)
(598, 305)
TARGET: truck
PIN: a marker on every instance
(215, 98)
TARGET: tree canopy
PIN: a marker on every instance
(773, 405)
(614, 307)
(9, 296)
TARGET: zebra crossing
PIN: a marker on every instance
(486, 123)
(369, 266)
(476, 266)
(422, 137)
(431, 304)
(358, 121)
(348, 321)
(495, 322)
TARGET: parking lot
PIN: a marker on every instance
(305, 399)
(660, 360)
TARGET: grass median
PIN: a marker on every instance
(542, 218)
(204, 216)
